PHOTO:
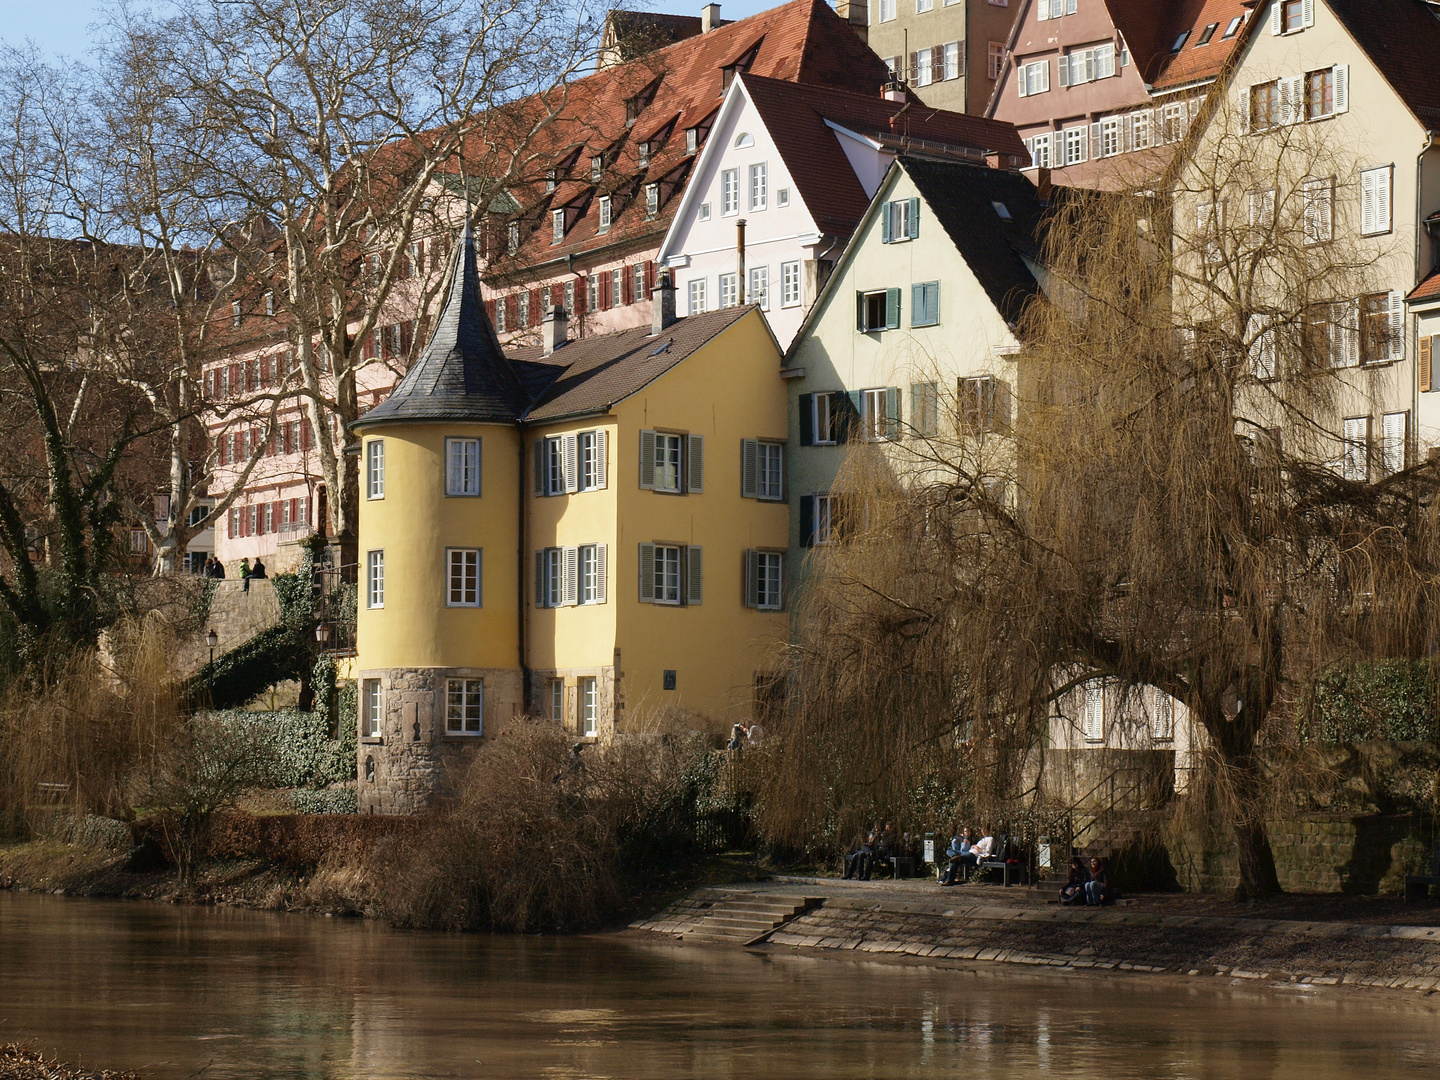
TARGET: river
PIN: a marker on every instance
(172, 990)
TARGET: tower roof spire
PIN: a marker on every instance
(462, 375)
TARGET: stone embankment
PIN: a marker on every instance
(989, 925)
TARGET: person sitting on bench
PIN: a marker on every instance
(1097, 889)
(857, 863)
(1073, 891)
(958, 854)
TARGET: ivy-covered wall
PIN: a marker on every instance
(1383, 700)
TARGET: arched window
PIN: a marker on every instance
(744, 139)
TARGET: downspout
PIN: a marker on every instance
(1419, 230)
(740, 260)
(523, 612)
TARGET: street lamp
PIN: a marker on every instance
(212, 639)
(322, 634)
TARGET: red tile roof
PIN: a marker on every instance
(795, 117)
(1427, 290)
(1151, 30)
(800, 42)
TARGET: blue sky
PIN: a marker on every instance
(61, 27)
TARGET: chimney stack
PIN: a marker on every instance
(892, 89)
(856, 14)
(553, 331)
(709, 18)
(664, 304)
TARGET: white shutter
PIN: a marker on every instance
(752, 591)
(1392, 435)
(571, 457)
(1352, 333)
(601, 568)
(1277, 26)
(694, 575)
(749, 469)
(1104, 61)
(1342, 88)
(1044, 76)
(539, 466)
(647, 573)
(1397, 326)
(600, 462)
(1042, 10)
(1383, 221)
(1020, 79)
(1297, 99)
(695, 463)
(570, 588)
(1367, 201)
(1062, 71)
(647, 461)
(1307, 13)
(1262, 348)
(1094, 141)
(1242, 110)
(540, 578)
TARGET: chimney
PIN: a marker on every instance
(892, 90)
(740, 260)
(854, 12)
(664, 304)
(552, 333)
(709, 18)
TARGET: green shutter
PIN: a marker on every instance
(647, 573)
(860, 312)
(917, 305)
(892, 309)
(914, 218)
(749, 468)
(885, 236)
(807, 420)
(892, 412)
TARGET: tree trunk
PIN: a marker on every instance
(1257, 861)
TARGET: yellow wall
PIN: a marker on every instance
(584, 635)
(414, 523)
(727, 391)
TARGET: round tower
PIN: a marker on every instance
(438, 650)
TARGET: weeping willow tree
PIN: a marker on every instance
(1179, 504)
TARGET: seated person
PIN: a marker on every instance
(1073, 891)
(958, 854)
(857, 862)
(1097, 889)
(737, 736)
(984, 848)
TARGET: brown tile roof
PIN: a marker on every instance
(1402, 39)
(594, 373)
(795, 116)
(667, 91)
(1151, 30)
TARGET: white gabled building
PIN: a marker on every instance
(784, 179)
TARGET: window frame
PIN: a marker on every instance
(661, 567)
(695, 289)
(1355, 449)
(768, 487)
(757, 189)
(470, 564)
(729, 290)
(790, 272)
(458, 726)
(372, 708)
(375, 579)
(461, 443)
(587, 692)
(921, 315)
(827, 397)
(766, 598)
(758, 287)
(663, 443)
(375, 469)
(729, 192)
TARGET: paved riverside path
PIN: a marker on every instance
(990, 924)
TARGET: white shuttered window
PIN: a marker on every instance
(1375, 213)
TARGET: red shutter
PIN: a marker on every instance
(234, 378)
(649, 276)
(557, 296)
(605, 301)
(265, 371)
(305, 433)
(407, 336)
(627, 288)
(512, 310)
(294, 511)
(582, 295)
(222, 448)
(537, 309)
(275, 516)
(230, 524)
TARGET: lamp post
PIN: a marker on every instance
(322, 634)
(212, 639)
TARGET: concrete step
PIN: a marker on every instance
(727, 922)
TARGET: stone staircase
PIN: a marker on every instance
(727, 916)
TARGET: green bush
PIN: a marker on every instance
(1352, 702)
(303, 753)
(329, 801)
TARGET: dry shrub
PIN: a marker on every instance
(544, 837)
(74, 735)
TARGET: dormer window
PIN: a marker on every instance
(557, 226)
(605, 211)
(512, 238)
(1234, 26)
(1180, 42)
(235, 313)
(1207, 34)
(652, 199)
(692, 140)
(597, 168)
(549, 180)
(644, 154)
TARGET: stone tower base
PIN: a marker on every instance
(414, 760)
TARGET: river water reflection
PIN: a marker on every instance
(171, 990)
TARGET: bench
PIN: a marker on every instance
(1417, 886)
(1000, 861)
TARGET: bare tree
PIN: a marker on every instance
(333, 137)
(1177, 507)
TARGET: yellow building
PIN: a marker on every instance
(593, 531)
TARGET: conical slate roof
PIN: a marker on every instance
(462, 374)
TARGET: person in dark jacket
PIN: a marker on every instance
(857, 862)
(1097, 889)
(1073, 891)
(257, 572)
